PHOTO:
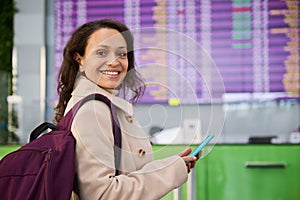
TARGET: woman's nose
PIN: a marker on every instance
(113, 61)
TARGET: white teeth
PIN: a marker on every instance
(110, 72)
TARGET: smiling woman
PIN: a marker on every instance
(99, 58)
(105, 60)
(95, 40)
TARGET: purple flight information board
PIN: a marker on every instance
(201, 51)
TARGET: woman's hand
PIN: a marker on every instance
(189, 160)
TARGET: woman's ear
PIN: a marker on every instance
(78, 58)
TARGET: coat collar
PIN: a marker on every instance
(84, 87)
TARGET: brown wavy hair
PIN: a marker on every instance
(70, 67)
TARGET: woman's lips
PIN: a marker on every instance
(110, 73)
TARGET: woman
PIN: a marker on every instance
(99, 58)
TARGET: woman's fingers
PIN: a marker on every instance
(186, 152)
(189, 160)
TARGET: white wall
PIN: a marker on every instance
(29, 44)
(50, 72)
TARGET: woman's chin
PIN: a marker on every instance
(110, 86)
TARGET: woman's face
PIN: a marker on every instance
(105, 61)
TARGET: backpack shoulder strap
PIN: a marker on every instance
(40, 130)
(66, 123)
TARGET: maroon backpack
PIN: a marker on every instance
(45, 167)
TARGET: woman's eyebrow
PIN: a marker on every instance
(103, 46)
(107, 46)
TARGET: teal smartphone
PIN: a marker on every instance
(196, 151)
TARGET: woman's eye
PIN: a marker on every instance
(101, 53)
(122, 54)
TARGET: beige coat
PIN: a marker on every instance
(142, 177)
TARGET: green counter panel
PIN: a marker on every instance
(5, 149)
(273, 172)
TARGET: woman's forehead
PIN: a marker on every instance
(106, 37)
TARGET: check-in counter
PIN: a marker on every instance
(241, 171)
